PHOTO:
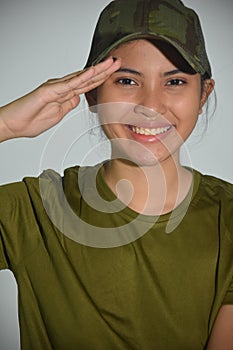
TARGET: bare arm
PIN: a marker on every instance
(222, 334)
(44, 107)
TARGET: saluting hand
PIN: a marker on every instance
(44, 107)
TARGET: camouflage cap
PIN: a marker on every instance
(169, 20)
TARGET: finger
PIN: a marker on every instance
(62, 98)
(97, 69)
(85, 81)
(70, 104)
(66, 77)
(97, 79)
(101, 71)
(57, 111)
(58, 90)
(104, 65)
(89, 85)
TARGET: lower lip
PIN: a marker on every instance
(149, 138)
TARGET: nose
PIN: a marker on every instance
(151, 104)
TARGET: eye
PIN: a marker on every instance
(126, 81)
(176, 82)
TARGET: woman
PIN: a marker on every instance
(164, 279)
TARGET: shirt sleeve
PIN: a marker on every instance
(17, 224)
(3, 262)
(11, 199)
(228, 299)
(229, 224)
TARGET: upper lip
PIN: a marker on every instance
(151, 125)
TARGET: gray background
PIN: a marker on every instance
(51, 38)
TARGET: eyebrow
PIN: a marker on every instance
(132, 71)
(128, 70)
(172, 72)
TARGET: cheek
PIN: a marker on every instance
(188, 108)
(112, 131)
(110, 92)
(106, 93)
(100, 92)
(115, 112)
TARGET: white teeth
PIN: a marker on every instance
(153, 132)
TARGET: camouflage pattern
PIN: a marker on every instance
(170, 20)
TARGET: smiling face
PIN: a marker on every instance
(149, 107)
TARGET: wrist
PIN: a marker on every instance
(5, 132)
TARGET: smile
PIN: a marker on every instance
(150, 131)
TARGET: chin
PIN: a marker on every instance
(145, 161)
(142, 155)
(138, 156)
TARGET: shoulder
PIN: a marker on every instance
(15, 192)
(216, 185)
(215, 198)
(23, 193)
(48, 180)
(82, 177)
(214, 189)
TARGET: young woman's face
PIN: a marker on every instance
(148, 107)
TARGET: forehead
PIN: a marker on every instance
(149, 50)
(138, 51)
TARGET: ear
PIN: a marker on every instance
(208, 87)
(91, 97)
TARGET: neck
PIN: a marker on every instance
(152, 190)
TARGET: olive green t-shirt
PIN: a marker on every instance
(93, 275)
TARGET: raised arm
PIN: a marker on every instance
(44, 107)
